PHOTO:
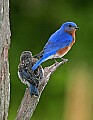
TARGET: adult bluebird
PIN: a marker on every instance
(58, 44)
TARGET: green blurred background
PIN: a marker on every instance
(32, 22)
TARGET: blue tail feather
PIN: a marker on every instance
(38, 63)
(44, 58)
(33, 90)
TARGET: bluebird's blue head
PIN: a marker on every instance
(69, 26)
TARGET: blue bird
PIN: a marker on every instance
(58, 44)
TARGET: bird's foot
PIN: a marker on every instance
(64, 60)
(55, 61)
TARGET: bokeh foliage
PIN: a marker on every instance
(32, 22)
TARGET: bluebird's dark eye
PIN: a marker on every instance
(70, 25)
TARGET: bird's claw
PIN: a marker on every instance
(55, 61)
(64, 60)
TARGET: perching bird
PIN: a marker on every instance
(26, 74)
(58, 44)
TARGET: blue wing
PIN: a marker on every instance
(57, 41)
(25, 75)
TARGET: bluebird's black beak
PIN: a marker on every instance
(76, 27)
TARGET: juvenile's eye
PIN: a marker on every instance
(70, 26)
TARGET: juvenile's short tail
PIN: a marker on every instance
(38, 63)
(33, 90)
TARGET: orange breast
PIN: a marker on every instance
(72, 33)
(64, 51)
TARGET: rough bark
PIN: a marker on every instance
(4, 65)
(28, 103)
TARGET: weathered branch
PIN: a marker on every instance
(28, 103)
(4, 66)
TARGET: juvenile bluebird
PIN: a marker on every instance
(26, 74)
(58, 44)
